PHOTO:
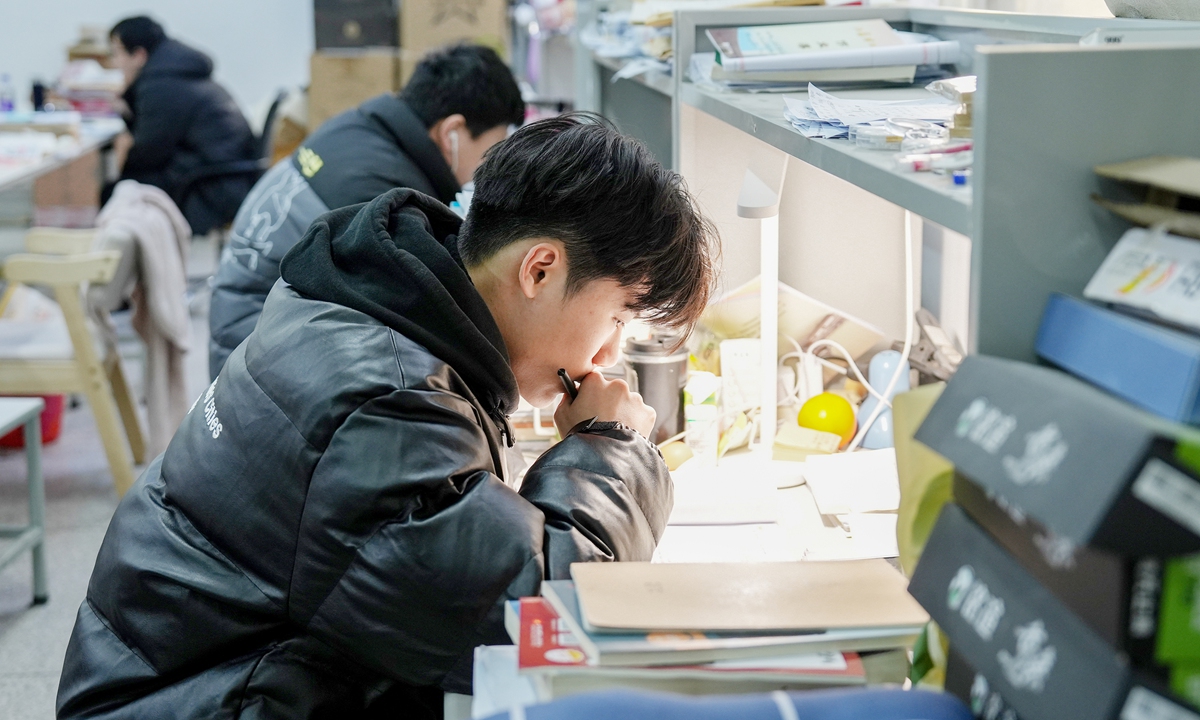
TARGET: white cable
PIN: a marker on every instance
(798, 353)
(908, 333)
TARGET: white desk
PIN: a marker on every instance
(94, 134)
(799, 533)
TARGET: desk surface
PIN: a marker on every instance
(16, 411)
(93, 134)
(800, 532)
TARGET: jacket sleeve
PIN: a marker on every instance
(161, 124)
(605, 493)
(409, 542)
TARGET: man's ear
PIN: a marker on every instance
(141, 56)
(441, 130)
(540, 268)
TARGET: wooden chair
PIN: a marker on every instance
(63, 261)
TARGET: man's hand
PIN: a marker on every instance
(605, 400)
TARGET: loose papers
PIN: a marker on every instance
(826, 116)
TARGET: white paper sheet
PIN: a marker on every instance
(1153, 271)
(871, 535)
(497, 686)
(857, 482)
(811, 661)
(710, 496)
(727, 543)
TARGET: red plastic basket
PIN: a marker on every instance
(52, 416)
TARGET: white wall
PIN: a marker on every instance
(257, 46)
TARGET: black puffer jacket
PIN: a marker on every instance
(181, 121)
(353, 158)
(333, 527)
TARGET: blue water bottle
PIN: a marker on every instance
(879, 374)
(8, 94)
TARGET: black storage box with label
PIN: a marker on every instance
(1085, 465)
(964, 682)
(1045, 662)
(1117, 596)
(356, 23)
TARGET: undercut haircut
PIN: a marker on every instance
(620, 214)
(139, 32)
(467, 80)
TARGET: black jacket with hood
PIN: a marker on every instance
(181, 121)
(353, 158)
(333, 526)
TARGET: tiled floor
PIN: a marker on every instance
(79, 502)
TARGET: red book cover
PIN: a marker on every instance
(545, 640)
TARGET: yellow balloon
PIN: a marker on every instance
(831, 413)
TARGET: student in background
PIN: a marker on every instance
(333, 529)
(181, 121)
(429, 137)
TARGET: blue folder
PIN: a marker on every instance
(1154, 367)
(856, 704)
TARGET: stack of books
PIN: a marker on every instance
(1060, 572)
(782, 57)
(716, 628)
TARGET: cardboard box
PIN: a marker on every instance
(1091, 468)
(1042, 660)
(69, 196)
(429, 24)
(343, 79)
(1117, 597)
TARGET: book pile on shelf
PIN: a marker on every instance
(773, 58)
(692, 628)
(1060, 573)
(1136, 332)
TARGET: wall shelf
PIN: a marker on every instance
(933, 197)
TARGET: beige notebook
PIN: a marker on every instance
(744, 597)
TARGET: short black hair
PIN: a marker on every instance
(470, 80)
(619, 212)
(139, 32)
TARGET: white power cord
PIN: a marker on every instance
(799, 353)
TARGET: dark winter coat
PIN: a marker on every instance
(353, 158)
(333, 530)
(182, 121)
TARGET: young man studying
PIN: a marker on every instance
(430, 136)
(333, 529)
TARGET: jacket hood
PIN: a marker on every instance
(396, 259)
(173, 58)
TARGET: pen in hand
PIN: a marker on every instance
(568, 384)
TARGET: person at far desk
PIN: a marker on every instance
(333, 529)
(180, 120)
(430, 137)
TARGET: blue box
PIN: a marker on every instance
(1154, 367)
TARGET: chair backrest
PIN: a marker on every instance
(268, 129)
